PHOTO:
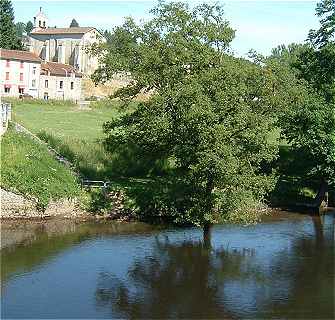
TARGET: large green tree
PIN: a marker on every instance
(310, 126)
(210, 114)
(8, 32)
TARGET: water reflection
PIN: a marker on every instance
(166, 284)
(281, 268)
(183, 280)
(190, 280)
(310, 264)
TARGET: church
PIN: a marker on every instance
(64, 45)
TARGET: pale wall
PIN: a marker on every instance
(54, 91)
(14, 70)
(74, 49)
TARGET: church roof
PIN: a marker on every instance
(19, 55)
(73, 30)
(58, 69)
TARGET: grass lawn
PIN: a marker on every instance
(64, 120)
(75, 133)
(28, 168)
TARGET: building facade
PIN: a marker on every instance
(59, 81)
(64, 45)
(23, 72)
(20, 73)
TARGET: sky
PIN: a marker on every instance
(259, 25)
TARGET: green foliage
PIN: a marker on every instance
(325, 10)
(28, 168)
(308, 122)
(29, 27)
(20, 28)
(8, 32)
(209, 114)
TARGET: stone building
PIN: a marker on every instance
(59, 81)
(64, 45)
(19, 73)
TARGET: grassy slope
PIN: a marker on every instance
(74, 132)
(27, 167)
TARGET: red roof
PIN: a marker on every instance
(58, 69)
(19, 55)
(73, 30)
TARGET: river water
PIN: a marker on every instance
(281, 268)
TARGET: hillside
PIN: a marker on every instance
(28, 168)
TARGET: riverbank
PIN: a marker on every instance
(17, 231)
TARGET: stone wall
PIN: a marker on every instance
(14, 206)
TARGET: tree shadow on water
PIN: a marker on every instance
(182, 280)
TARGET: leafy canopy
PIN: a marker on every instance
(310, 126)
(209, 114)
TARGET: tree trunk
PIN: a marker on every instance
(322, 194)
(207, 235)
(208, 209)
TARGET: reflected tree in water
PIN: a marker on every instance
(178, 281)
(310, 264)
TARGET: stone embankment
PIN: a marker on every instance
(14, 206)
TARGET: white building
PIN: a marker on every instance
(19, 73)
(59, 81)
(23, 72)
(64, 45)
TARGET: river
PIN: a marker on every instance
(282, 268)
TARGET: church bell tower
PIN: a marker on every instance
(40, 20)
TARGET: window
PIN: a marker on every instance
(45, 96)
(46, 84)
(34, 70)
(21, 90)
(33, 83)
(39, 23)
(21, 64)
(60, 84)
(72, 85)
(21, 76)
(7, 63)
(7, 75)
(43, 24)
(7, 89)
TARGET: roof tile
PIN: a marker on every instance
(19, 55)
(58, 69)
(73, 30)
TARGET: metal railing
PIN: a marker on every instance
(5, 116)
(95, 184)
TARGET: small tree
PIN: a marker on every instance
(8, 32)
(74, 23)
(20, 28)
(29, 27)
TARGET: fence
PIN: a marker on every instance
(5, 117)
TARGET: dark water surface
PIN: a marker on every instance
(280, 268)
